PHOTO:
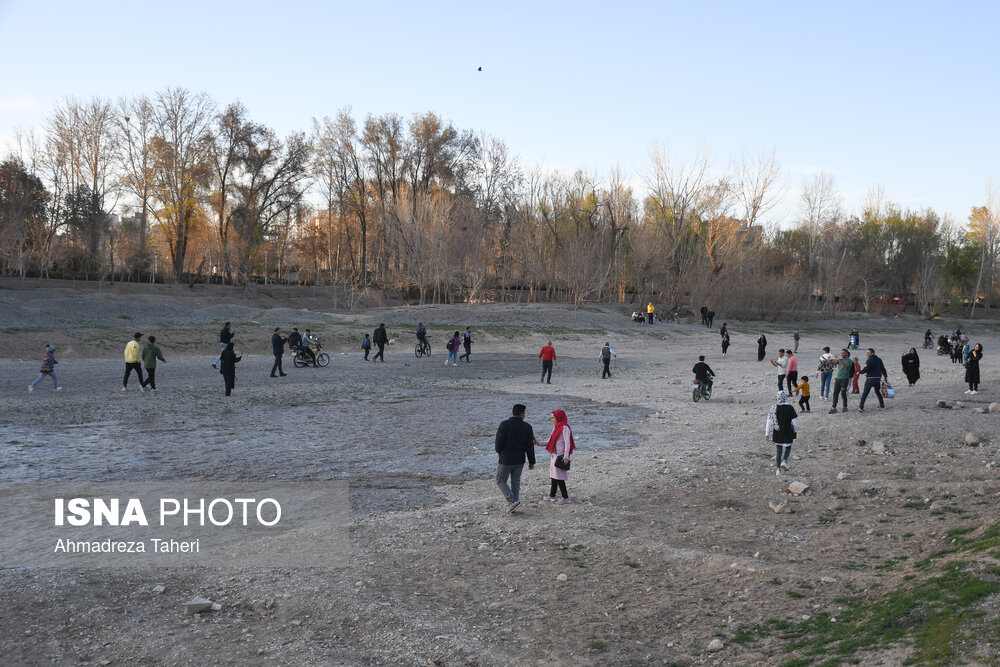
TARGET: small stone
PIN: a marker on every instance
(798, 488)
(971, 439)
(828, 580)
(860, 443)
(216, 606)
(843, 475)
(159, 588)
(196, 605)
(943, 404)
(958, 405)
(716, 646)
(562, 577)
(777, 507)
(977, 411)
(994, 407)
(878, 447)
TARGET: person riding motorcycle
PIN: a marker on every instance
(307, 342)
(703, 373)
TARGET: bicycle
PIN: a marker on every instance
(422, 347)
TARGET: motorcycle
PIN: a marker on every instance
(700, 390)
(852, 344)
(301, 359)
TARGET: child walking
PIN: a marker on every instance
(781, 428)
(47, 369)
(366, 345)
(802, 389)
(560, 446)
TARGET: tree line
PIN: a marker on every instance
(174, 187)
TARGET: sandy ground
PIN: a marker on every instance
(669, 543)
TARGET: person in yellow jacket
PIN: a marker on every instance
(802, 388)
(132, 361)
(650, 313)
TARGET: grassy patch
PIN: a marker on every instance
(933, 608)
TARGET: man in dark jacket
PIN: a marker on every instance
(225, 338)
(873, 371)
(381, 339)
(515, 440)
(703, 373)
(278, 348)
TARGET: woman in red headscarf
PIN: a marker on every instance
(560, 444)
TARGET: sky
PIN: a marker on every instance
(902, 95)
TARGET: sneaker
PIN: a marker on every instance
(833, 411)
(549, 498)
(777, 472)
(968, 391)
(445, 362)
(124, 388)
(784, 464)
(563, 501)
(513, 506)
(215, 366)
(142, 390)
(455, 364)
(282, 374)
(844, 409)
(58, 389)
(974, 392)
(30, 389)
(861, 409)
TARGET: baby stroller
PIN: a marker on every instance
(943, 346)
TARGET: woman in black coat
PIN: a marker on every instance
(761, 347)
(228, 365)
(911, 366)
(972, 369)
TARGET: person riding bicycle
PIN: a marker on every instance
(703, 373)
(421, 333)
(306, 348)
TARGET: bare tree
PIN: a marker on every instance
(135, 119)
(181, 148)
(756, 186)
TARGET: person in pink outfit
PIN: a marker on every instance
(792, 379)
(561, 444)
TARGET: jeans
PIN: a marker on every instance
(782, 454)
(793, 380)
(513, 492)
(781, 382)
(150, 378)
(872, 383)
(607, 369)
(547, 368)
(840, 389)
(468, 354)
(824, 384)
(42, 376)
(452, 357)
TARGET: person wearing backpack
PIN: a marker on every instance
(48, 369)
(605, 358)
(454, 343)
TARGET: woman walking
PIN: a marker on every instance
(560, 446)
(725, 342)
(972, 369)
(453, 344)
(228, 361)
(911, 366)
(761, 347)
(782, 426)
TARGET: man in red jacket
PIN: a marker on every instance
(547, 358)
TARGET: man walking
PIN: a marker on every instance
(132, 361)
(547, 358)
(793, 370)
(381, 339)
(827, 365)
(150, 354)
(605, 358)
(225, 338)
(874, 371)
(278, 348)
(795, 347)
(782, 364)
(845, 370)
(467, 344)
(515, 440)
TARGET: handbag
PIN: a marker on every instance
(562, 463)
(888, 391)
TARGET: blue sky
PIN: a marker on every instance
(902, 94)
